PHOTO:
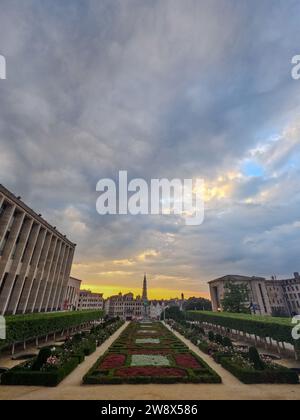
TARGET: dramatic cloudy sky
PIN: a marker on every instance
(161, 88)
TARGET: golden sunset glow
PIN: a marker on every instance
(155, 293)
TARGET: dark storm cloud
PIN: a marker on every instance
(160, 88)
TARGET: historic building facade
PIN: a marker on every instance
(90, 301)
(124, 306)
(35, 260)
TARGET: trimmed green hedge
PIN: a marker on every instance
(279, 329)
(17, 376)
(82, 345)
(267, 376)
(170, 345)
(27, 327)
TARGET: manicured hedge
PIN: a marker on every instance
(170, 347)
(26, 327)
(267, 376)
(279, 329)
(75, 350)
(18, 376)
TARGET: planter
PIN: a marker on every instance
(267, 376)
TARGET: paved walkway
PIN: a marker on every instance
(231, 389)
(227, 378)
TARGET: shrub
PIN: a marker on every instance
(18, 376)
(219, 339)
(227, 342)
(211, 336)
(44, 354)
(41, 373)
(27, 327)
(276, 328)
(280, 375)
(254, 358)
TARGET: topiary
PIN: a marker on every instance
(211, 336)
(227, 342)
(219, 339)
(254, 358)
(42, 358)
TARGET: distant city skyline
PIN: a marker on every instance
(156, 294)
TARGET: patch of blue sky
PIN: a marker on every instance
(252, 169)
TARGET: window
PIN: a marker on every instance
(2, 209)
(3, 282)
(4, 243)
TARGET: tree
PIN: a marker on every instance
(173, 312)
(197, 304)
(236, 298)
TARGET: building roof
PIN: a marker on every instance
(17, 200)
(234, 277)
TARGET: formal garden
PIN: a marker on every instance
(244, 362)
(54, 363)
(147, 352)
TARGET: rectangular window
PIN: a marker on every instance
(263, 298)
(3, 282)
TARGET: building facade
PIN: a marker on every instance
(72, 295)
(284, 295)
(266, 297)
(35, 260)
(156, 309)
(90, 301)
(258, 294)
(125, 307)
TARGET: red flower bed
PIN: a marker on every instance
(187, 361)
(150, 371)
(113, 361)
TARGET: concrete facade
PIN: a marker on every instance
(35, 260)
(72, 295)
(284, 295)
(90, 301)
(258, 295)
(266, 297)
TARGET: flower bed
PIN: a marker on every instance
(187, 361)
(249, 375)
(238, 361)
(113, 361)
(151, 372)
(52, 365)
(153, 360)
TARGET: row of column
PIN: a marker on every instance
(35, 263)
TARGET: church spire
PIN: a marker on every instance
(145, 288)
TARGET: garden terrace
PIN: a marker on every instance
(277, 329)
(23, 328)
(149, 353)
(53, 364)
(247, 365)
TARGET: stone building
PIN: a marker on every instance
(35, 260)
(157, 307)
(72, 295)
(284, 295)
(90, 301)
(258, 294)
(124, 306)
(266, 297)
